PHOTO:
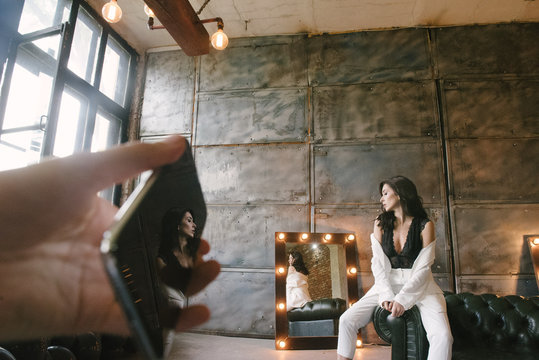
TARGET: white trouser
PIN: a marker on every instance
(432, 308)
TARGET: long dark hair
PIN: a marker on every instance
(170, 234)
(298, 263)
(411, 202)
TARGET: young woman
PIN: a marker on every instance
(403, 247)
(297, 286)
(178, 242)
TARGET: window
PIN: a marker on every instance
(66, 85)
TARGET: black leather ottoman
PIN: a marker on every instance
(316, 318)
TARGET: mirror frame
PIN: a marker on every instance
(348, 240)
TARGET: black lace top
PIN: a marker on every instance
(405, 259)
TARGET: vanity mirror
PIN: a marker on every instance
(308, 305)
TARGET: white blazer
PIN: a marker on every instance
(420, 283)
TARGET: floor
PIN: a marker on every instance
(206, 347)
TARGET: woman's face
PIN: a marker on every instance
(290, 260)
(187, 226)
(390, 200)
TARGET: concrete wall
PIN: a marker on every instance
(294, 133)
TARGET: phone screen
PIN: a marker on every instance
(151, 247)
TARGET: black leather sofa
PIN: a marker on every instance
(87, 346)
(316, 318)
(484, 326)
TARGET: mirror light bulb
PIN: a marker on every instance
(353, 270)
(327, 237)
(281, 306)
(219, 40)
(359, 343)
(111, 12)
(282, 344)
(535, 241)
(304, 236)
(350, 237)
(281, 270)
(281, 236)
(148, 11)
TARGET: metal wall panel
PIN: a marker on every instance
(243, 236)
(369, 56)
(366, 111)
(168, 94)
(255, 63)
(494, 108)
(490, 239)
(499, 285)
(491, 49)
(254, 174)
(351, 173)
(361, 222)
(252, 117)
(240, 303)
(495, 169)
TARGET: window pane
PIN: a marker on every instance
(106, 132)
(115, 72)
(20, 149)
(41, 14)
(30, 90)
(83, 56)
(71, 121)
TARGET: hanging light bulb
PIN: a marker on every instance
(148, 11)
(112, 12)
(219, 40)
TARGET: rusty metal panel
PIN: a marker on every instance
(499, 285)
(494, 169)
(252, 117)
(241, 303)
(384, 110)
(254, 174)
(361, 222)
(369, 56)
(490, 49)
(351, 173)
(252, 63)
(243, 236)
(168, 94)
(489, 240)
(495, 108)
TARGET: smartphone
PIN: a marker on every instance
(146, 241)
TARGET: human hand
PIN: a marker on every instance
(52, 280)
(397, 309)
(386, 305)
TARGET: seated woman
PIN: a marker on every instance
(297, 286)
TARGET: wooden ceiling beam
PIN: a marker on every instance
(183, 24)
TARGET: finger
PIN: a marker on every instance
(202, 275)
(192, 316)
(204, 247)
(103, 169)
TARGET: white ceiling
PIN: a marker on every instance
(247, 18)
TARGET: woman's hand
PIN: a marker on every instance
(397, 309)
(386, 305)
(52, 279)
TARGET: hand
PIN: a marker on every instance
(52, 280)
(397, 309)
(386, 305)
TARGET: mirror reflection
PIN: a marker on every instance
(313, 287)
(316, 289)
